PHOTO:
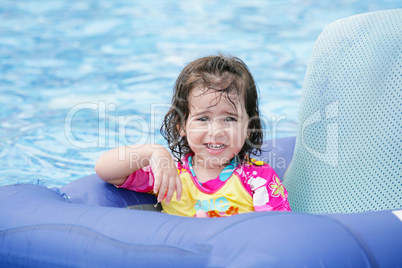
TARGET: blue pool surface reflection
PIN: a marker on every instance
(80, 77)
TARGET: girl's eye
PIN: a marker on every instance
(230, 119)
(204, 118)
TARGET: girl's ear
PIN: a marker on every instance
(182, 132)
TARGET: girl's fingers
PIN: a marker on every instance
(163, 187)
(151, 180)
(171, 189)
(166, 184)
(179, 188)
(157, 183)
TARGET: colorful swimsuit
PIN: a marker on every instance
(240, 188)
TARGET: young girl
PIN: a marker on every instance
(211, 128)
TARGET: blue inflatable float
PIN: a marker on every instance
(84, 224)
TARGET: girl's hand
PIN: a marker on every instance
(167, 180)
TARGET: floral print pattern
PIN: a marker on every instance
(277, 187)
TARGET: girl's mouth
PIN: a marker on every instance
(215, 146)
(215, 149)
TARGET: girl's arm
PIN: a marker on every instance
(116, 165)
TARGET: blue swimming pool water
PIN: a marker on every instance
(79, 77)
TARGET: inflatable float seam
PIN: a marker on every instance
(53, 226)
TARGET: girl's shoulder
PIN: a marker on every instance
(255, 174)
(253, 167)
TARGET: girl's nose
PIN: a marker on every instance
(216, 128)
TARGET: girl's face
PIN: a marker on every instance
(216, 129)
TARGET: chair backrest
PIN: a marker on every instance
(348, 149)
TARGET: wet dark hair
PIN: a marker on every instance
(226, 75)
